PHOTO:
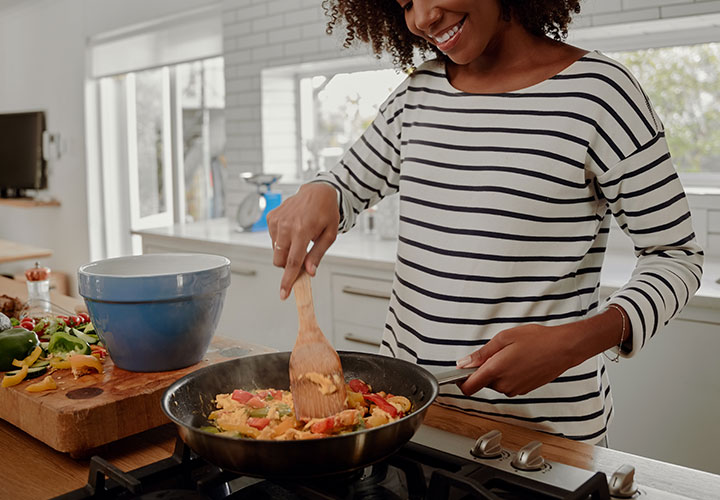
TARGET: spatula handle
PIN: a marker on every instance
(304, 302)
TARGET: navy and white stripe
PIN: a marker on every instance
(505, 205)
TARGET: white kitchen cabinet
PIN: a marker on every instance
(360, 305)
(667, 398)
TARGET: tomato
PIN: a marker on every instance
(241, 396)
(255, 402)
(64, 319)
(324, 426)
(27, 323)
(73, 321)
(85, 317)
(258, 423)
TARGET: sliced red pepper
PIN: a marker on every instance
(324, 426)
(381, 403)
(277, 394)
(98, 350)
(357, 385)
(262, 394)
(258, 423)
(241, 396)
(255, 402)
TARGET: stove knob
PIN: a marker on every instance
(528, 457)
(622, 483)
(488, 445)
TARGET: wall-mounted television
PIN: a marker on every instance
(22, 163)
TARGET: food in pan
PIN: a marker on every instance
(268, 414)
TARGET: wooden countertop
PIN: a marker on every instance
(11, 251)
(18, 289)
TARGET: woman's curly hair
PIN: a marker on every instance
(381, 23)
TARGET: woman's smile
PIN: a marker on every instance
(446, 40)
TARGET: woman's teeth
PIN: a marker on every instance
(446, 36)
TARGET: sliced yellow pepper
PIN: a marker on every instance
(30, 359)
(84, 363)
(11, 380)
(59, 363)
(47, 384)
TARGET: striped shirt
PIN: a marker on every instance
(505, 207)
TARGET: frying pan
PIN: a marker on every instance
(189, 401)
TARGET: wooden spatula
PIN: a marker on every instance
(316, 377)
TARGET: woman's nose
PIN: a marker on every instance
(426, 15)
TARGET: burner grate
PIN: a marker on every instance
(415, 472)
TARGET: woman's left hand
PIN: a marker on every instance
(520, 359)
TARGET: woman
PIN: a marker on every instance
(511, 152)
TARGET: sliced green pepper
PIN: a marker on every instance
(15, 343)
(64, 343)
(259, 412)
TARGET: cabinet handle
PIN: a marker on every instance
(351, 290)
(243, 272)
(352, 338)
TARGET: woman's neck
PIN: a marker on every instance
(513, 60)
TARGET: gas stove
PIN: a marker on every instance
(434, 465)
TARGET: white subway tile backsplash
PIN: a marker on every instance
(306, 15)
(629, 16)
(280, 6)
(641, 4)
(286, 34)
(310, 47)
(268, 24)
(690, 9)
(267, 53)
(600, 6)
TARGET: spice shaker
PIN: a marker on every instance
(38, 284)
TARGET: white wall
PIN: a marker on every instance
(42, 66)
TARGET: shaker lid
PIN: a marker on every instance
(37, 273)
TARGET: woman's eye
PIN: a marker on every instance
(407, 6)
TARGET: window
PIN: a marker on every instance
(336, 109)
(201, 91)
(312, 113)
(163, 136)
(683, 83)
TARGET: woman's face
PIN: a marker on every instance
(462, 29)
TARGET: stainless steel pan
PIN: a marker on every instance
(188, 402)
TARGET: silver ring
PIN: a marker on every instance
(276, 246)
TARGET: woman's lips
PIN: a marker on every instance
(450, 37)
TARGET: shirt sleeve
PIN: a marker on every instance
(370, 169)
(649, 204)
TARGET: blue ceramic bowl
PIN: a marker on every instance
(155, 312)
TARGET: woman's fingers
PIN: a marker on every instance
(320, 246)
(312, 214)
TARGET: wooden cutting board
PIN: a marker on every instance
(97, 409)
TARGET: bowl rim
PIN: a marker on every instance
(222, 261)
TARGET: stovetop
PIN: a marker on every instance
(435, 465)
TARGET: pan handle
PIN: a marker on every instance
(453, 375)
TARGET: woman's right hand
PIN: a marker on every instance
(312, 214)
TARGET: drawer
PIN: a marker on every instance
(352, 337)
(362, 301)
